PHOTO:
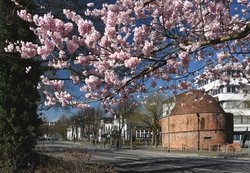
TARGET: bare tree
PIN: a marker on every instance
(45, 129)
(124, 114)
(61, 126)
(151, 112)
(88, 120)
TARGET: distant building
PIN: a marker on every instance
(74, 133)
(110, 125)
(233, 97)
(50, 134)
(196, 122)
(109, 128)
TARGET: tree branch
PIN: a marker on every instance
(240, 35)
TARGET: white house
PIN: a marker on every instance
(74, 133)
(110, 125)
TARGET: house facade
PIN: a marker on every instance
(234, 97)
(109, 126)
(74, 133)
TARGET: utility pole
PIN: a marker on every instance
(198, 131)
(168, 132)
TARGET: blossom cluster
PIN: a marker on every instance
(143, 43)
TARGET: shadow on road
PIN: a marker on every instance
(186, 165)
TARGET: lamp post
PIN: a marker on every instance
(168, 132)
(167, 110)
(198, 130)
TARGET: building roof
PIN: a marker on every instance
(196, 101)
(107, 119)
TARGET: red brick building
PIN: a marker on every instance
(196, 122)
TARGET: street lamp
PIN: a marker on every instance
(198, 130)
(168, 132)
(166, 111)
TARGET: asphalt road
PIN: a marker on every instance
(146, 161)
(192, 165)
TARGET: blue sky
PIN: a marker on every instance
(54, 113)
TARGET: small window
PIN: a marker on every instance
(233, 89)
(221, 89)
(237, 137)
(247, 104)
(138, 134)
(207, 137)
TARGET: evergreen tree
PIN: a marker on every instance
(19, 120)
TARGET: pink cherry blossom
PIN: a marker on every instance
(92, 39)
(187, 5)
(27, 69)
(50, 100)
(81, 59)
(242, 1)
(58, 64)
(28, 50)
(72, 46)
(148, 47)
(80, 105)
(111, 77)
(90, 4)
(84, 26)
(222, 56)
(24, 15)
(10, 48)
(75, 79)
(142, 44)
(140, 33)
(93, 82)
(63, 97)
(132, 62)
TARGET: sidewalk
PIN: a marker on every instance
(206, 154)
(212, 154)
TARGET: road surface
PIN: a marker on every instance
(152, 161)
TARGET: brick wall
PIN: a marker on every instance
(197, 131)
